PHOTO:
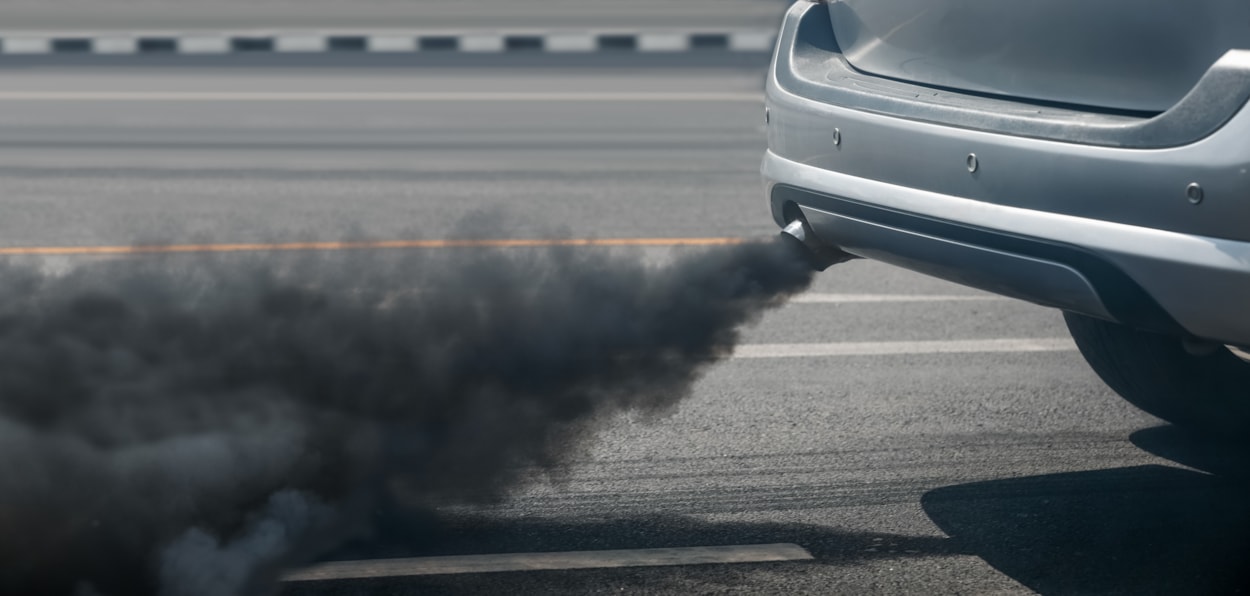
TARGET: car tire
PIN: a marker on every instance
(1207, 392)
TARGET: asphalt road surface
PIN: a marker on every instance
(911, 435)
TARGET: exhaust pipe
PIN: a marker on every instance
(818, 255)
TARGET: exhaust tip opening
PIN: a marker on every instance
(817, 254)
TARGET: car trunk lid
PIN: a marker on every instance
(1133, 55)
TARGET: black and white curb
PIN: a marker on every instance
(390, 42)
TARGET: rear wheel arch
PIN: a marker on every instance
(1207, 392)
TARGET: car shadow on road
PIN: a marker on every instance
(1136, 530)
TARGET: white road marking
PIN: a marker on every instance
(816, 298)
(299, 43)
(396, 40)
(647, 557)
(27, 45)
(204, 45)
(571, 42)
(481, 43)
(391, 43)
(663, 42)
(752, 41)
(888, 348)
(115, 45)
(379, 96)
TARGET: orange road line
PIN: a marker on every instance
(142, 249)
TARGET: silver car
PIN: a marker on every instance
(1090, 156)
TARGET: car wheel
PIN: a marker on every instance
(1205, 390)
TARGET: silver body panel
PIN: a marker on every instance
(1126, 207)
(1126, 54)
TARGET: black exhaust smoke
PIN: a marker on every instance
(193, 425)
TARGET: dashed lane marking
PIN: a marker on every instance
(647, 557)
(889, 348)
(388, 41)
(395, 96)
(141, 249)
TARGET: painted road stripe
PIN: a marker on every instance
(752, 41)
(330, 96)
(818, 298)
(663, 42)
(889, 348)
(243, 42)
(482, 43)
(391, 44)
(201, 45)
(647, 557)
(299, 43)
(27, 45)
(571, 42)
(380, 244)
(115, 45)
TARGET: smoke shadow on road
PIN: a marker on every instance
(1134, 530)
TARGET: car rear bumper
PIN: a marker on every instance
(1148, 278)
(1049, 212)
